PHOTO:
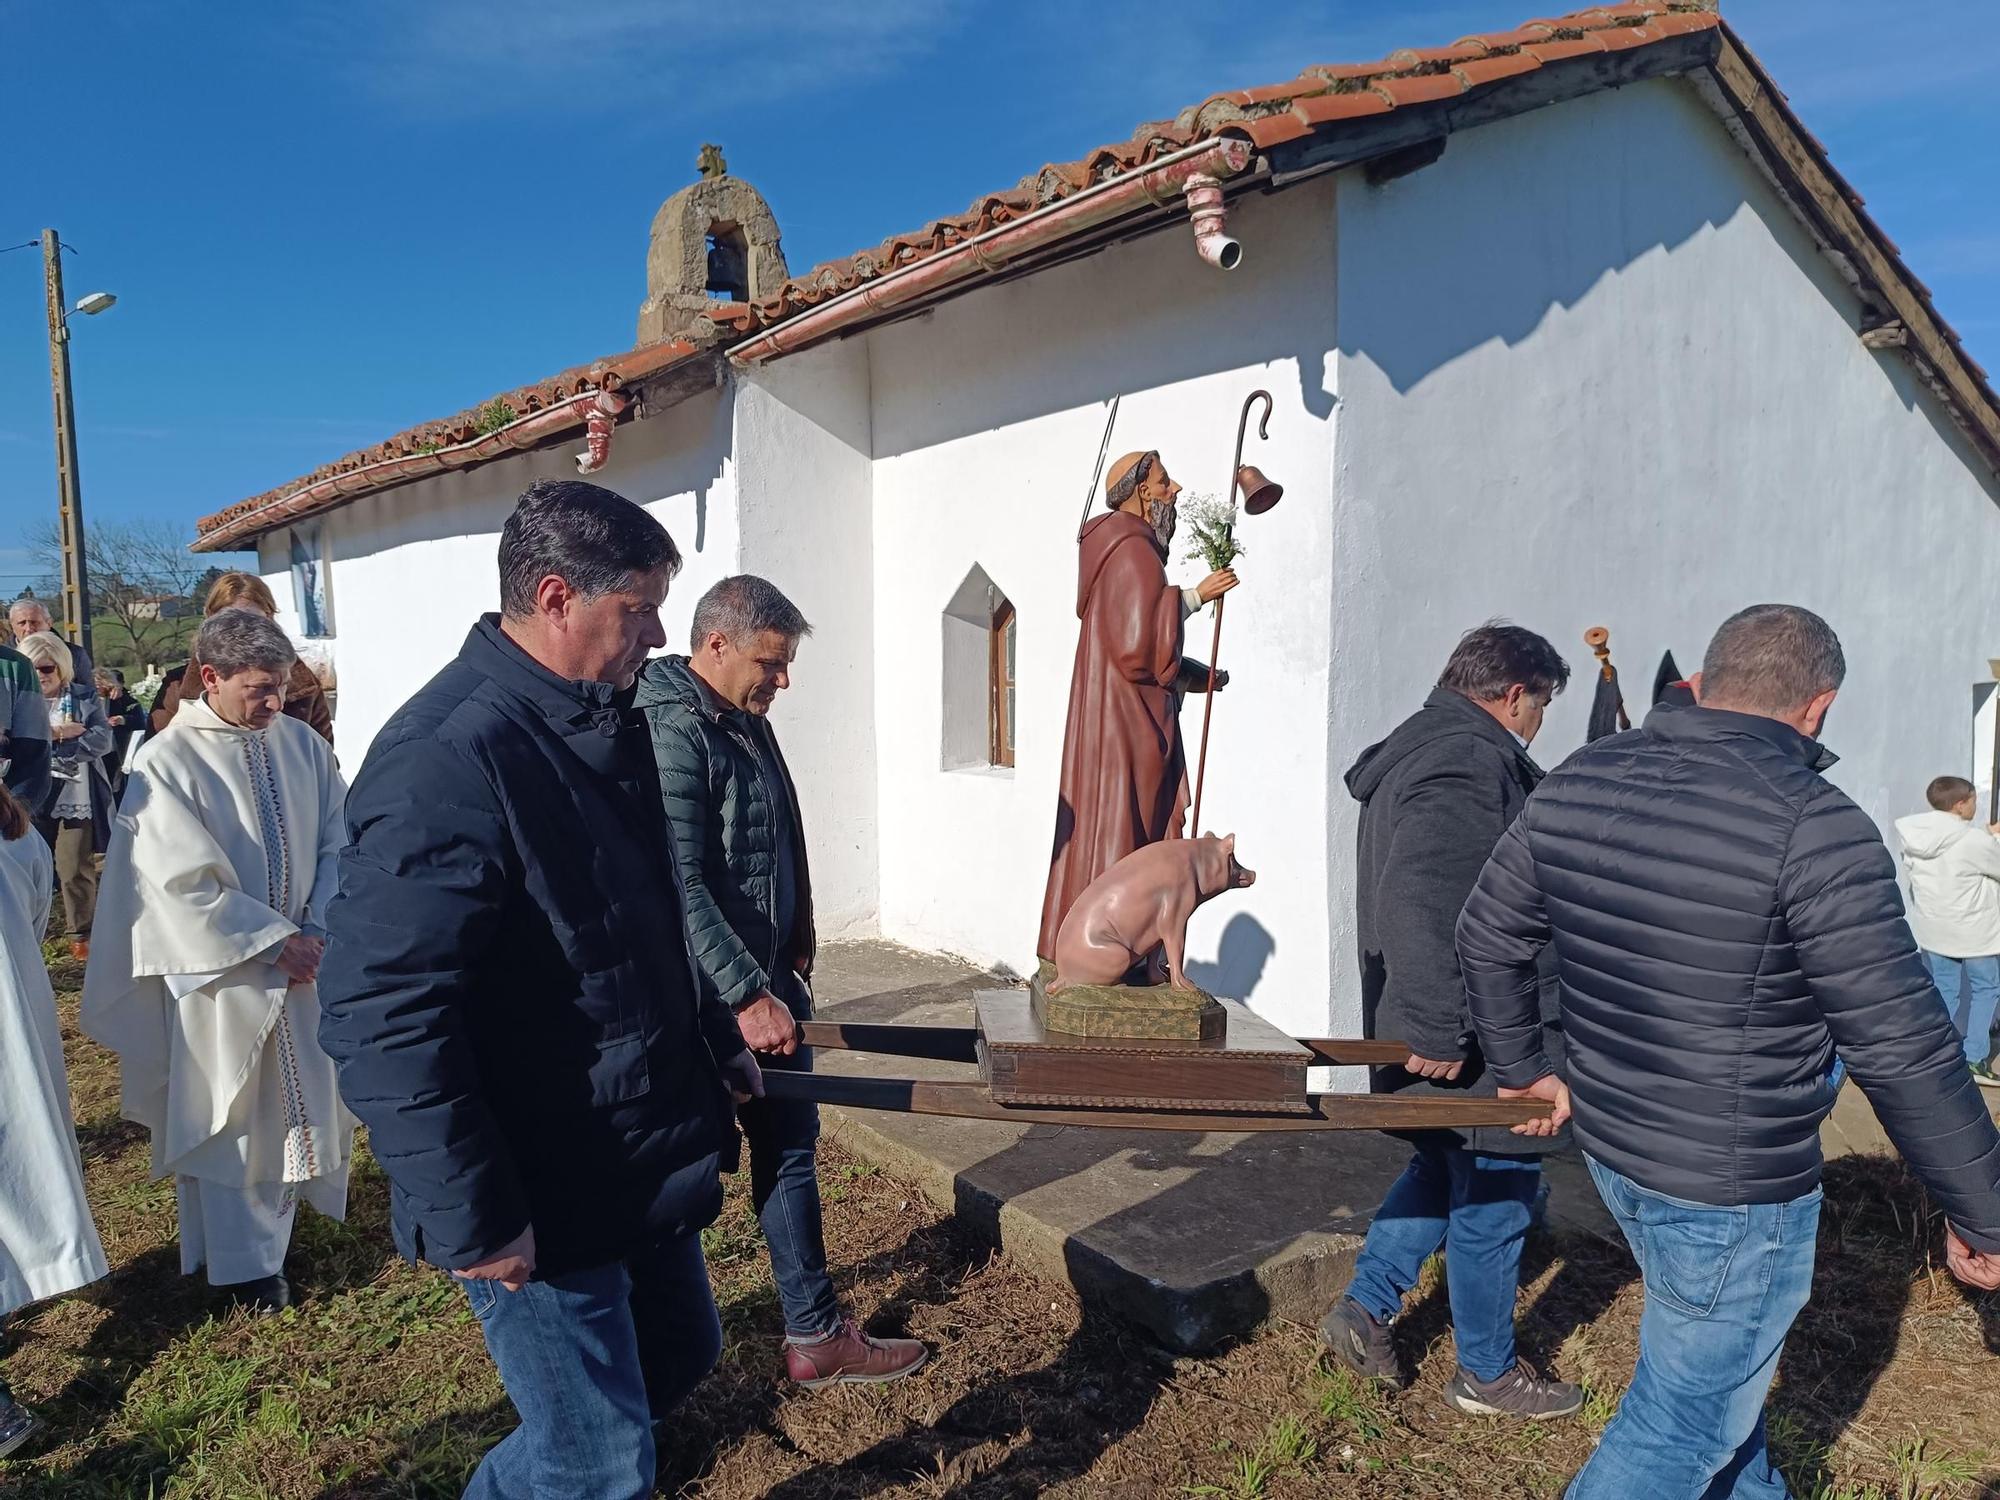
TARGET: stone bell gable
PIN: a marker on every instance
(715, 240)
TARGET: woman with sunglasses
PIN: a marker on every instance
(75, 817)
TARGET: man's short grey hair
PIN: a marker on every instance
(744, 607)
(1772, 658)
(242, 640)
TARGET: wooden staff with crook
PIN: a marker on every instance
(1236, 485)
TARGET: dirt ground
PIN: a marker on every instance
(378, 1384)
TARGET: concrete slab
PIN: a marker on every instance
(1194, 1237)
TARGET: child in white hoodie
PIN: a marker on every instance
(1954, 870)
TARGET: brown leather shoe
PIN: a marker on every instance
(850, 1356)
(79, 949)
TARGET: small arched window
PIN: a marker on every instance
(979, 690)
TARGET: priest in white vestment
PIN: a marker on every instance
(48, 1243)
(209, 937)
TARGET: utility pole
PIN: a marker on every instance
(75, 582)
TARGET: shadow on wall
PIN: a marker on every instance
(1240, 959)
(1144, 315)
(1648, 157)
(1652, 152)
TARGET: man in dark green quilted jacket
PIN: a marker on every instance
(741, 844)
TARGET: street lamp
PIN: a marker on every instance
(76, 581)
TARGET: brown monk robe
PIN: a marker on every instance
(1124, 773)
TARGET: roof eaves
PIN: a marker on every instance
(515, 421)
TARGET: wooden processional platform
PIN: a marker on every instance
(1250, 1066)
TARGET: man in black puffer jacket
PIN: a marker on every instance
(1724, 921)
(741, 844)
(1435, 796)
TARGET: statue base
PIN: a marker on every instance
(1248, 1067)
(1126, 1012)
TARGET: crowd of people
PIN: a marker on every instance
(549, 941)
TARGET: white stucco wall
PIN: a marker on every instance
(412, 568)
(804, 482)
(1593, 372)
(987, 417)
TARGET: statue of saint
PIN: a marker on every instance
(1124, 773)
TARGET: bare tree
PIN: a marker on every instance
(143, 584)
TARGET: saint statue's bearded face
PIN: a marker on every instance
(1157, 493)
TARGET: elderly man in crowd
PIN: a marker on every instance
(26, 617)
(75, 814)
(741, 844)
(1724, 921)
(222, 863)
(545, 1078)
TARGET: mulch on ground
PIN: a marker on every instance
(378, 1384)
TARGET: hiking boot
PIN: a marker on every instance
(1519, 1393)
(1984, 1076)
(262, 1297)
(1359, 1342)
(847, 1356)
(17, 1425)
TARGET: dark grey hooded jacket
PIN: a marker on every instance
(1435, 796)
(1723, 920)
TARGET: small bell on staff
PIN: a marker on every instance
(1259, 494)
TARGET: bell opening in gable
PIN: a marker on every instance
(728, 262)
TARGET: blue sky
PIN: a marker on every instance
(330, 219)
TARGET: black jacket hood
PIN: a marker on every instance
(1443, 715)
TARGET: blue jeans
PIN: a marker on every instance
(784, 1189)
(591, 1360)
(1970, 988)
(1477, 1207)
(1722, 1288)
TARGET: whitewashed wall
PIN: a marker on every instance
(804, 512)
(987, 418)
(411, 569)
(1593, 372)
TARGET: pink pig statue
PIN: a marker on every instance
(1141, 903)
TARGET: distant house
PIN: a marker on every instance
(1573, 324)
(159, 607)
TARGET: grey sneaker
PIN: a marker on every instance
(1519, 1393)
(17, 1425)
(1359, 1342)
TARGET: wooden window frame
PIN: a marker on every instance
(999, 749)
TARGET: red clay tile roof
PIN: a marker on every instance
(1270, 116)
(227, 528)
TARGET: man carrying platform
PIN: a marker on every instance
(1435, 796)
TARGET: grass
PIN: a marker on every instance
(378, 1385)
